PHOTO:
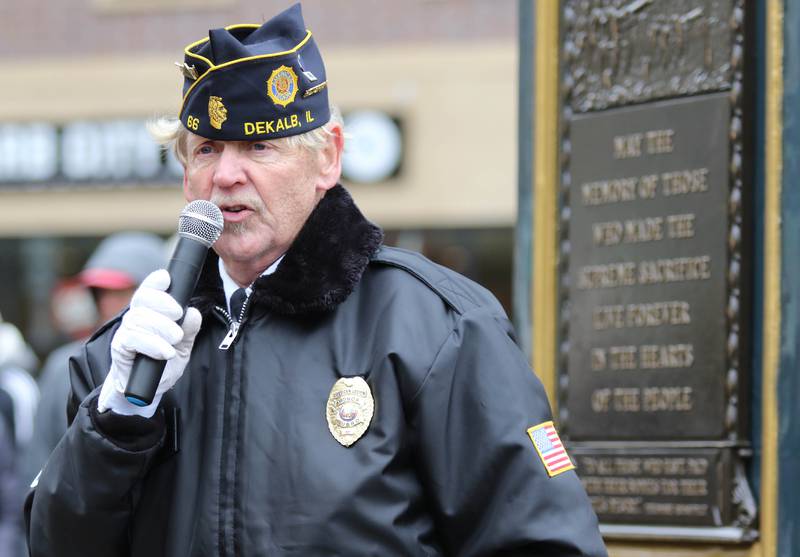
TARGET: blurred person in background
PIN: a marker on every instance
(342, 397)
(19, 396)
(11, 539)
(116, 267)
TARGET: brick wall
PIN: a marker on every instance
(75, 28)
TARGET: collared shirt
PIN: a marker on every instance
(229, 285)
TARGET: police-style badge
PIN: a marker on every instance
(282, 85)
(349, 410)
(217, 113)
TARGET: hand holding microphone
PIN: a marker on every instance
(151, 348)
(149, 327)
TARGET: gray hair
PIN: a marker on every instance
(171, 134)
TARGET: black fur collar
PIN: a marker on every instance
(321, 268)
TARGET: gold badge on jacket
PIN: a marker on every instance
(349, 410)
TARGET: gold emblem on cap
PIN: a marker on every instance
(187, 70)
(349, 410)
(217, 113)
(282, 85)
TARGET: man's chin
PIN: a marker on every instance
(244, 245)
(235, 229)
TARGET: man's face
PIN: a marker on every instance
(265, 189)
(111, 301)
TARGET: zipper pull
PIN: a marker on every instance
(230, 337)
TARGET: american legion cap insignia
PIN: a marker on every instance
(349, 410)
(282, 85)
(550, 449)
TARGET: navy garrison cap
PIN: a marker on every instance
(247, 82)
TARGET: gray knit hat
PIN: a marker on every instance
(123, 260)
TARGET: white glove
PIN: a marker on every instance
(149, 327)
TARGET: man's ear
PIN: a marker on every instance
(330, 159)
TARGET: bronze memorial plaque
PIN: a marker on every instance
(658, 486)
(655, 264)
(648, 233)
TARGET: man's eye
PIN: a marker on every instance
(259, 146)
(205, 149)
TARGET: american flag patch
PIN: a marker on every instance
(553, 454)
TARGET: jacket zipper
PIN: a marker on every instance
(233, 326)
(227, 537)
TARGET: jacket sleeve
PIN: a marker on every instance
(490, 491)
(85, 495)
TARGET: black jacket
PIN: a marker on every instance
(240, 460)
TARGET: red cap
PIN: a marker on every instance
(106, 278)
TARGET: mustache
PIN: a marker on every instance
(252, 201)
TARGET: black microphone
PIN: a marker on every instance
(199, 226)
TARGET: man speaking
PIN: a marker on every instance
(324, 394)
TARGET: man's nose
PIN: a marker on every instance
(229, 170)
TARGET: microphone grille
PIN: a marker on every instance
(202, 221)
